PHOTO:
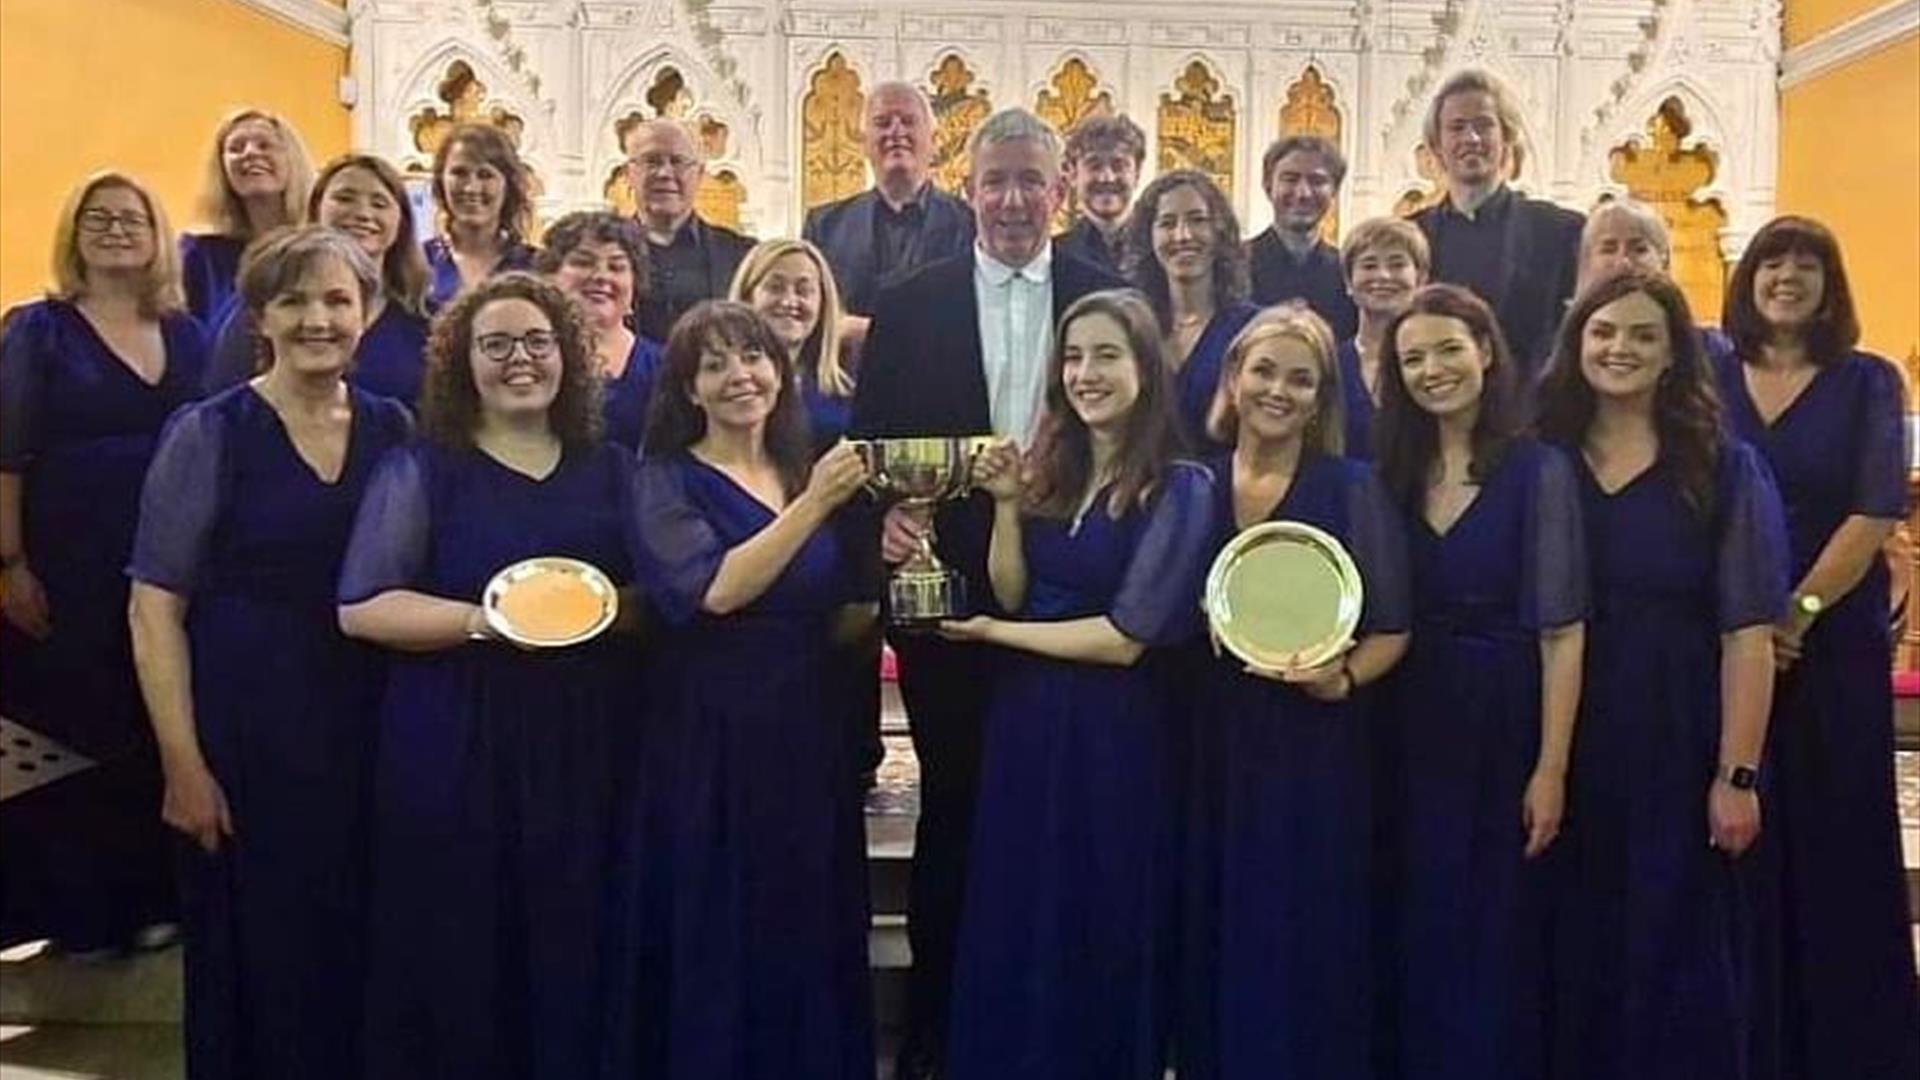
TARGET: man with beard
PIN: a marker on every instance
(1521, 255)
(962, 348)
(1289, 261)
(880, 236)
(688, 260)
(1104, 155)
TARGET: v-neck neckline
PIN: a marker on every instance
(121, 362)
(1753, 404)
(1586, 468)
(293, 447)
(772, 511)
(559, 462)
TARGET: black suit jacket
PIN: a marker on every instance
(844, 230)
(670, 296)
(1539, 263)
(1319, 279)
(1085, 241)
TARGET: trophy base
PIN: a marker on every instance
(921, 600)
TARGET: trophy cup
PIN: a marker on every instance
(920, 473)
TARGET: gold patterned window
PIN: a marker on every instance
(1669, 177)
(1069, 97)
(1310, 110)
(1197, 127)
(722, 196)
(958, 108)
(463, 100)
(833, 161)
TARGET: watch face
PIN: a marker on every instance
(1742, 777)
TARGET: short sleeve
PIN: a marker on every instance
(181, 500)
(392, 531)
(1880, 470)
(1752, 553)
(230, 360)
(1159, 599)
(676, 550)
(22, 356)
(1554, 583)
(1378, 542)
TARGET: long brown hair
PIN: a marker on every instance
(1686, 406)
(1229, 258)
(449, 400)
(403, 269)
(493, 147)
(1835, 328)
(1060, 463)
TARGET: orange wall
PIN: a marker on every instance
(1802, 20)
(1850, 156)
(139, 85)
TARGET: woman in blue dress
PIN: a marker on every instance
(1386, 259)
(1100, 540)
(1688, 556)
(483, 197)
(87, 377)
(1279, 938)
(257, 179)
(600, 260)
(1836, 996)
(1191, 265)
(362, 196)
(496, 765)
(263, 710)
(1483, 709)
(740, 945)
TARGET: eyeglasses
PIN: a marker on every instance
(103, 221)
(669, 162)
(499, 347)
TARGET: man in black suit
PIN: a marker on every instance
(962, 348)
(880, 236)
(1302, 176)
(688, 260)
(1104, 155)
(1520, 255)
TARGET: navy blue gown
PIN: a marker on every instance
(1836, 995)
(495, 773)
(1650, 965)
(209, 264)
(828, 417)
(86, 859)
(236, 522)
(1279, 936)
(444, 274)
(389, 362)
(1357, 403)
(740, 948)
(1199, 376)
(1471, 933)
(1064, 941)
(624, 400)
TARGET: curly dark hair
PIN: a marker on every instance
(1229, 257)
(1406, 437)
(1687, 417)
(597, 227)
(674, 422)
(449, 400)
(403, 269)
(1060, 461)
(496, 149)
(1835, 328)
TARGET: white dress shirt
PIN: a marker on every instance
(1016, 338)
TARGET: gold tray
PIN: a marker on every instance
(1283, 594)
(568, 581)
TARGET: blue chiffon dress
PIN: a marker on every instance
(1278, 972)
(1471, 933)
(209, 263)
(1356, 402)
(86, 858)
(1650, 963)
(1836, 991)
(495, 773)
(1199, 377)
(443, 282)
(389, 362)
(237, 523)
(1066, 935)
(740, 924)
(624, 400)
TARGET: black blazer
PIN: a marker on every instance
(1539, 263)
(843, 231)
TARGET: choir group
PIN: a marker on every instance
(1601, 790)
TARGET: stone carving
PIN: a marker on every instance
(722, 195)
(1668, 177)
(465, 101)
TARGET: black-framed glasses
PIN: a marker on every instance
(96, 220)
(499, 347)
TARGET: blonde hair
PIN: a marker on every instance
(222, 211)
(1387, 234)
(161, 294)
(1324, 434)
(824, 344)
(1506, 105)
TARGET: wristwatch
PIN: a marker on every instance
(1808, 606)
(1739, 777)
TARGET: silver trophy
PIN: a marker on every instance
(920, 473)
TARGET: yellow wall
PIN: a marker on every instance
(139, 85)
(1803, 20)
(1850, 156)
